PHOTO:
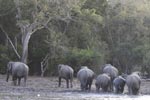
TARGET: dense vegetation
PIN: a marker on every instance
(45, 33)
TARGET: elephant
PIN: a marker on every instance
(133, 82)
(103, 81)
(65, 72)
(18, 70)
(85, 76)
(119, 83)
(112, 72)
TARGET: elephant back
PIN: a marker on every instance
(119, 81)
(133, 80)
(111, 70)
(65, 71)
(20, 69)
(84, 74)
(103, 79)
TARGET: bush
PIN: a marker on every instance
(83, 57)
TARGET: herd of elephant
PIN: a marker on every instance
(109, 80)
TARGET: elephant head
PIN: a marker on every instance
(9, 69)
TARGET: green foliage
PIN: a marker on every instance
(83, 57)
(98, 5)
(6, 7)
(4, 58)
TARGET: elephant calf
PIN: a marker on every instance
(85, 76)
(119, 83)
(18, 70)
(65, 72)
(103, 81)
(133, 82)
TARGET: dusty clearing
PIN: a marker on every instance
(47, 89)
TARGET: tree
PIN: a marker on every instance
(33, 15)
(124, 32)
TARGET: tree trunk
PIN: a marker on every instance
(25, 48)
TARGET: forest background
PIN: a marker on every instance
(45, 33)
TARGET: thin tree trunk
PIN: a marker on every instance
(44, 65)
(15, 50)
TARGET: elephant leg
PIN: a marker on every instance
(14, 80)
(114, 88)
(122, 89)
(130, 90)
(90, 86)
(86, 86)
(83, 87)
(111, 87)
(25, 80)
(7, 77)
(71, 80)
(71, 83)
(67, 83)
(104, 88)
(19, 79)
(97, 87)
(59, 84)
(135, 91)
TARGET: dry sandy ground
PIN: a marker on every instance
(47, 89)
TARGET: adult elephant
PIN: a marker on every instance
(103, 81)
(119, 83)
(85, 76)
(18, 70)
(65, 72)
(112, 71)
(133, 82)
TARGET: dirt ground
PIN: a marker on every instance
(47, 89)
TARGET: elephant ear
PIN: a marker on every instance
(124, 75)
(9, 66)
(59, 66)
(137, 73)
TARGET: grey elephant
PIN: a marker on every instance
(18, 70)
(133, 82)
(111, 71)
(85, 76)
(119, 83)
(103, 81)
(65, 72)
